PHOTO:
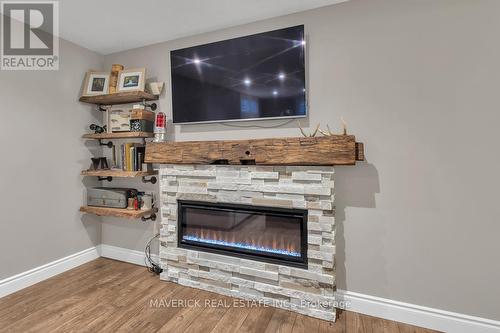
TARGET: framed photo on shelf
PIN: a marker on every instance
(131, 80)
(96, 83)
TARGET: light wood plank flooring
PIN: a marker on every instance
(107, 296)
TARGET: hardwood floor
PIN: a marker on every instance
(107, 296)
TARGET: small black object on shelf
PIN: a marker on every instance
(98, 129)
(95, 163)
(108, 178)
(141, 125)
(99, 163)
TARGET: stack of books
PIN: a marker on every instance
(132, 157)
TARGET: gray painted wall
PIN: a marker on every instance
(42, 156)
(417, 82)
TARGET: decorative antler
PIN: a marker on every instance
(315, 131)
(329, 131)
(344, 125)
(323, 132)
(301, 130)
(313, 134)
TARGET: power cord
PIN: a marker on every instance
(150, 264)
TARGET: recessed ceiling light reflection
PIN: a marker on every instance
(196, 61)
(247, 82)
(303, 42)
(281, 76)
(275, 92)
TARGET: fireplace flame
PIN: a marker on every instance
(277, 244)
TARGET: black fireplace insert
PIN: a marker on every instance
(269, 234)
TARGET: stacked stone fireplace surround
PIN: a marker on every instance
(307, 291)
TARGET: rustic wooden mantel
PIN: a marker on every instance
(326, 150)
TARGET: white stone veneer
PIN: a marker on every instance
(307, 291)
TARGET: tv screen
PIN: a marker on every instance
(260, 76)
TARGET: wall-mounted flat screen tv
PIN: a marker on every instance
(260, 76)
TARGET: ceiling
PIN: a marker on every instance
(108, 26)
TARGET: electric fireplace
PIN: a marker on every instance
(222, 232)
(270, 234)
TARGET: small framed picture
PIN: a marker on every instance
(96, 83)
(131, 80)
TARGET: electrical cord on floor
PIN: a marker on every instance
(152, 266)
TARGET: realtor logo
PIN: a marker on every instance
(29, 35)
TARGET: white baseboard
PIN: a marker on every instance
(38, 274)
(370, 305)
(126, 255)
(412, 314)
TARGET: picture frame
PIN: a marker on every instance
(96, 83)
(131, 80)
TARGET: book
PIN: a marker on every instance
(134, 159)
(122, 156)
(139, 161)
(140, 153)
(131, 157)
(128, 165)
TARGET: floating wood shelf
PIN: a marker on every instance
(117, 212)
(117, 173)
(120, 135)
(119, 98)
(327, 150)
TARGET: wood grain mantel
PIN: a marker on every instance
(327, 150)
